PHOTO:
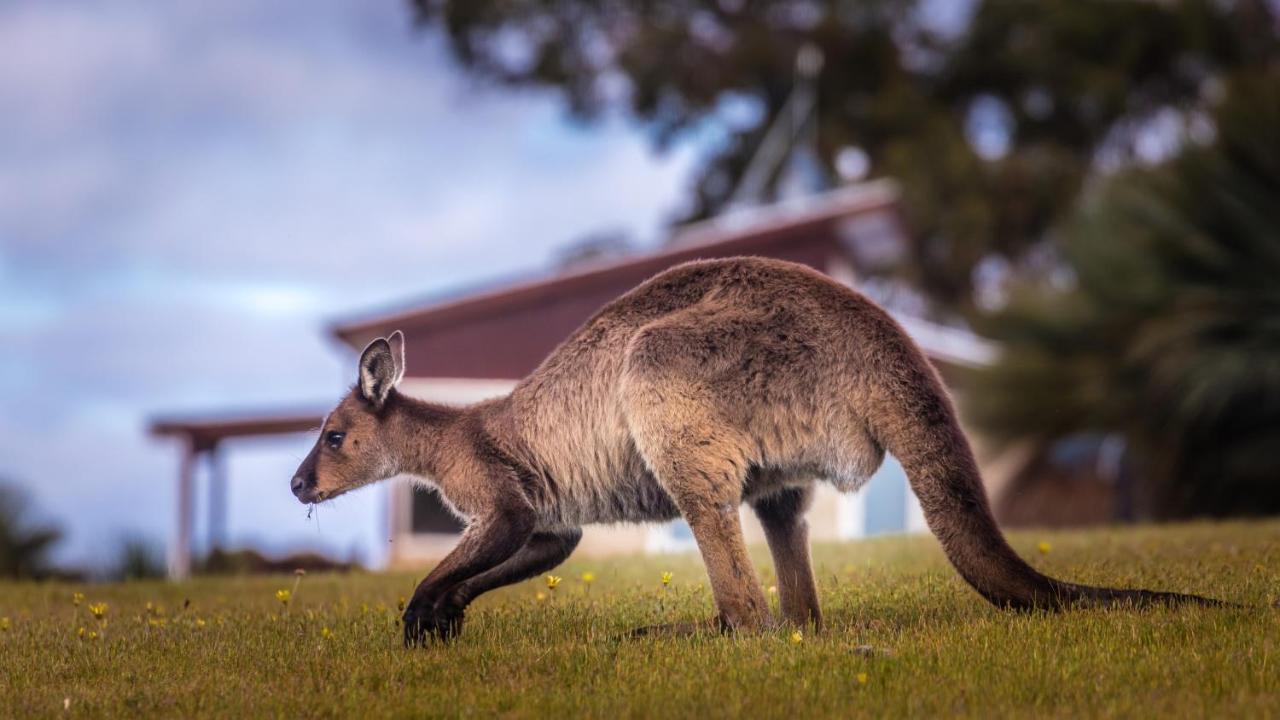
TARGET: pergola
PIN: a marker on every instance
(203, 439)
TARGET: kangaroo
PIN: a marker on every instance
(714, 383)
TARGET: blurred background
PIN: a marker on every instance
(206, 209)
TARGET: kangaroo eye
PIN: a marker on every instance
(334, 439)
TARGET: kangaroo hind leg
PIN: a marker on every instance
(782, 515)
(708, 492)
(703, 469)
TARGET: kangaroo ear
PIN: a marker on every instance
(396, 341)
(381, 367)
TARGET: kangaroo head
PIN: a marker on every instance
(353, 450)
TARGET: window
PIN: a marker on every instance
(429, 515)
(886, 504)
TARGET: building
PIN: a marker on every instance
(477, 346)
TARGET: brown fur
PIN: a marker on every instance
(712, 384)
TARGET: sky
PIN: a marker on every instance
(191, 191)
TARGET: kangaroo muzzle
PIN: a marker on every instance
(304, 488)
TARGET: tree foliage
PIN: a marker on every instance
(138, 558)
(1054, 84)
(24, 546)
(1170, 333)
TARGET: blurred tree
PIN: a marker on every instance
(991, 125)
(593, 248)
(138, 559)
(24, 547)
(1170, 332)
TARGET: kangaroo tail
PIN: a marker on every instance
(913, 418)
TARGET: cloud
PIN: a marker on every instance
(149, 132)
(190, 190)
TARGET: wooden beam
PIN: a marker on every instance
(216, 463)
(180, 550)
(208, 431)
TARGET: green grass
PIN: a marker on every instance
(935, 647)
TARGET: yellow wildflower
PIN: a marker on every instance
(156, 622)
(588, 577)
(862, 678)
(200, 622)
(400, 604)
(797, 637)
(98, 610)
(80, 633)
(325, 633)
(553, 581)
(773, 589)
(77, 598)
(283, 596)
(666, 578)
(540, 596)
(4, 624)
(1043, 547)
(93, 635)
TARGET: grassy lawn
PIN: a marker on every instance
(905, 637)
